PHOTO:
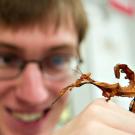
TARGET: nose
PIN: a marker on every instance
(31, 88)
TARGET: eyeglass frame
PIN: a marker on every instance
(24, 63)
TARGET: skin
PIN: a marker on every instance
(101, 117)
(30, 93)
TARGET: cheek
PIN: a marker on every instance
(55, 93)
(58, 85)
(54, 89)
(6, 86)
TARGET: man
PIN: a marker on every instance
(39, 42)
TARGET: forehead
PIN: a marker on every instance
(35, 38)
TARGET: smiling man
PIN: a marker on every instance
(38, 44)
(39, 48)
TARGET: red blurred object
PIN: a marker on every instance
(127, 7)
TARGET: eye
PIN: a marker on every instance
(9, 60)
(58, 62)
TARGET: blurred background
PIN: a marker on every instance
(110, 40)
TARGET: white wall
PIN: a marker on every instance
(110, 40)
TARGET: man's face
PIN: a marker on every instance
(25, 99)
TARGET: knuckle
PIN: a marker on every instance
(95, 107)
(97, 102)
(94, 127)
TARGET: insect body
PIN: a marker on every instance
(108, 90)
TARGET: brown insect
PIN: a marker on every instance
(108, 90)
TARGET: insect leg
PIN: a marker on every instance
(132, 105)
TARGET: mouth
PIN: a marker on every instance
(28, 117)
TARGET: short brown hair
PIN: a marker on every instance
(26, 12)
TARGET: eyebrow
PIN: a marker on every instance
(13, 47)
(9, 46)
(63, 47)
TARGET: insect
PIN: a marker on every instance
(108, 90)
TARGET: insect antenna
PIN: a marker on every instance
(77, 71)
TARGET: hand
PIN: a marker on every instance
(101, 117)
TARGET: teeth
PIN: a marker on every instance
(27, 117)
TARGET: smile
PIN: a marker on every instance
(28, 117)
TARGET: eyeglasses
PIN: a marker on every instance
(55, 66)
